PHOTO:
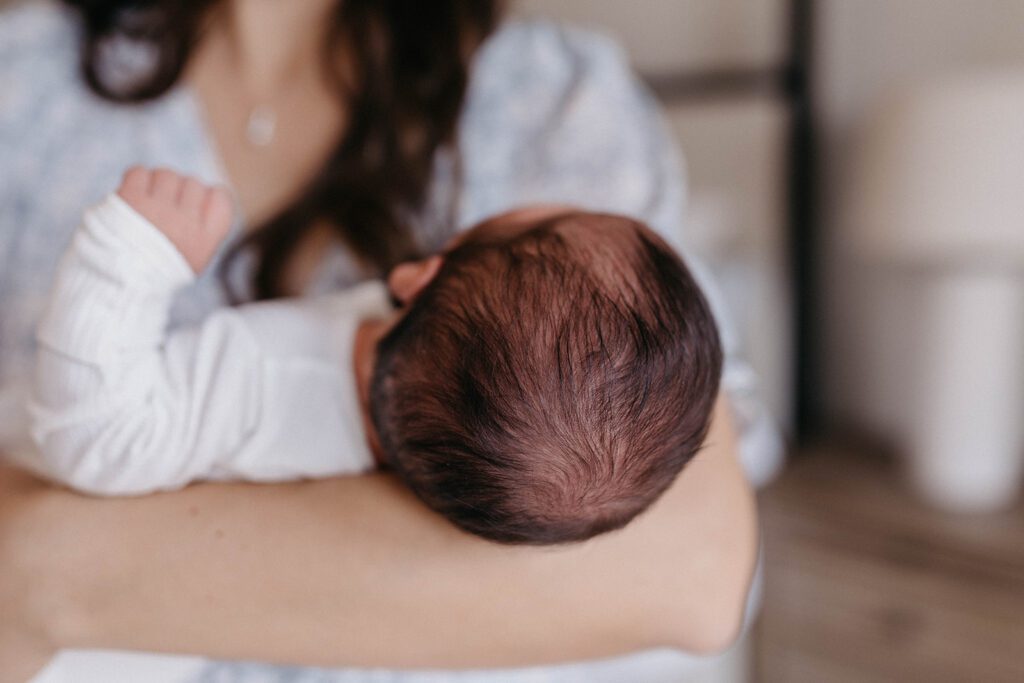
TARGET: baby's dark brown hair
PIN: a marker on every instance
(549, 386)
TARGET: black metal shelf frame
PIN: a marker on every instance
(793, 82)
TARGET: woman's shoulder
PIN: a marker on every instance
(36, 34)
(555, 114)
(546, 59)
(38, 63)
(556, 48)
(42, 88)
(569, 90)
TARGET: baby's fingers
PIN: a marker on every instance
(135, 183)
(216, 211)
(166, 184)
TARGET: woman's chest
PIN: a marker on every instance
(271, 141)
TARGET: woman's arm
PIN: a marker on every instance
(356, 572)
(26, 635)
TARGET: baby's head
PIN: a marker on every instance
(552, 379)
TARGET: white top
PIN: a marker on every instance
(262, 392)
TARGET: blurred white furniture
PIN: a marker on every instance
(939, 196)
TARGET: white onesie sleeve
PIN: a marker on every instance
(262, 392)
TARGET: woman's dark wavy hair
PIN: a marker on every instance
(410, 61)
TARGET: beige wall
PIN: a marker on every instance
(664, 36)
(867, 50)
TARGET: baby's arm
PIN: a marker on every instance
(120, 409)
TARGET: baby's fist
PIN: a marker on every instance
(195, 217)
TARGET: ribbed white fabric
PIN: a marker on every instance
(261, 392)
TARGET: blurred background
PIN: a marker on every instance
(856, 179)
(856, 176)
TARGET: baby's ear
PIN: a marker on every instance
(407, 280)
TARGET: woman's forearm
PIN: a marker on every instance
(26, 642)
(356, 572)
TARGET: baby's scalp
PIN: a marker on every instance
(551, 381)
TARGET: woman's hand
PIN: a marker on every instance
(25, 643)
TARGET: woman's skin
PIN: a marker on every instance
(269, 54)
(351, 571)
(355, 572)
(25, 593)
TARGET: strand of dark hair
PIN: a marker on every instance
(402, 76)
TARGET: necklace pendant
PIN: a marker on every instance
(261, 126)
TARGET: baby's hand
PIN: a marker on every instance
(195, 217)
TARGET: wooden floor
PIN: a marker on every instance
(863, 583)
